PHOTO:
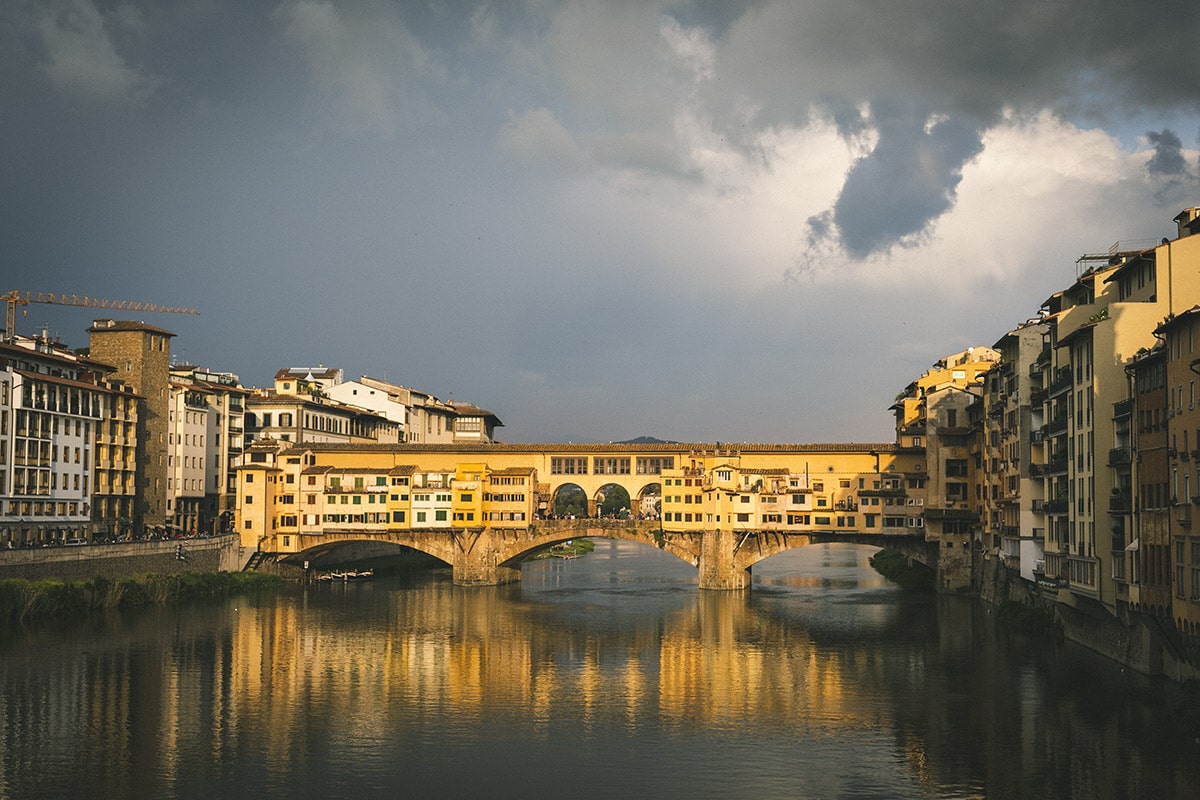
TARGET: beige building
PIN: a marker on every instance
(1013, 450)
(314, 418)
(1097, 328)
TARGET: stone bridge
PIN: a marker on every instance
(491, 556)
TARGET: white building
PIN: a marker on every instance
(205, 439)
(51, 409)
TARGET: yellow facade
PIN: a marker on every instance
(288, 493)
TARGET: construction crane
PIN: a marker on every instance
(18, 298)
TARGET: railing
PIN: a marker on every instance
(1119, 457)
(1061, 382)
(1123, 408)
(1120, 503)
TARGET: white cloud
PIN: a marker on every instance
(82, 56)
(536, 136)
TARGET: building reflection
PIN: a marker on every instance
(154, 701)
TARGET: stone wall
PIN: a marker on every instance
(219, 554)
(1137, 642)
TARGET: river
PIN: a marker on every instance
(605, 676)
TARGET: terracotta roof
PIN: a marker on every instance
(66, 382)
(58, 355)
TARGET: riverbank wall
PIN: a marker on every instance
(165, 557)
(1137, 641)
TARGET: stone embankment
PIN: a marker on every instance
(1138, 641)
(162, 557)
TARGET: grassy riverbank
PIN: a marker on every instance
(895, 567)
(22, 600)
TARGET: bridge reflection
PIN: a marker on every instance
(149, 704)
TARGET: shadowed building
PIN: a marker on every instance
(141, 354)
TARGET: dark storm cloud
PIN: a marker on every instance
(1168, 154)
(413, 187)
(1089, 60)
(909, 178)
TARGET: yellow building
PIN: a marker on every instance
(934, 416)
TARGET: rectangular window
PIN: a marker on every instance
(568, 465)
(647, 465)
(439, 515)
(610, 466)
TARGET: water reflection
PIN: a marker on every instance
(603, 675)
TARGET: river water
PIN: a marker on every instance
(606, 676)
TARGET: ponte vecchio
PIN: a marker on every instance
(484, 508)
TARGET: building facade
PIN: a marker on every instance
(141, 356)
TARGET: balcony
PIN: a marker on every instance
(1119, 457)
(1057, 426)
(885, 492)
(1120, 503)
(1122, 409)
(951, 513)
(1061, 382)
(1056, 506)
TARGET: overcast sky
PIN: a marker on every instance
(700, 220)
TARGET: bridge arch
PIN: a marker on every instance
(648, 501)
(544, 535)
(570, 499)
(611, 499)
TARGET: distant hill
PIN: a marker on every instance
(646, 440)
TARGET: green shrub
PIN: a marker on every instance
(895, 567)
(22, 600)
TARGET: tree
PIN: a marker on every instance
(570, 500)
(615, 500)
